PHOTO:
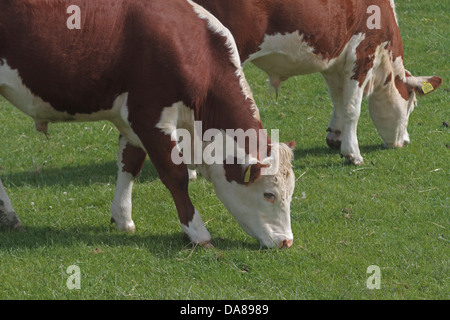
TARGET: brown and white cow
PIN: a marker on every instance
(150, 67)
(355, 44)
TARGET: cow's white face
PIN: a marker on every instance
(390, 114)
(261, 207)
(391, 108)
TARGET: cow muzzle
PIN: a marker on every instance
(285, 244)
(396, 145)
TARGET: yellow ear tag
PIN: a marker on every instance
(427, 87)
(247, 174)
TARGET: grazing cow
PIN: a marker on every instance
(151, 67)
(355, 44)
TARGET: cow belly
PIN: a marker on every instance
(15, 91)
(287, 55)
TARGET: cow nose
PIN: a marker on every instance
(285, 244)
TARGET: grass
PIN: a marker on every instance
(392, 212)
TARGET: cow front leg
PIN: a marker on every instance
(336, 124)
(8, 218)
(130, 160)
(191, 222)
(176, 179)
(353, 95)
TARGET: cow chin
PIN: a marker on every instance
(265, 233)
(400, 140)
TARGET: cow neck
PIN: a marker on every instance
(231, 110)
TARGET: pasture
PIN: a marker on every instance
(391, 212)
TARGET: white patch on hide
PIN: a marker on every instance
(217, 27)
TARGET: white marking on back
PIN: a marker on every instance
(217, 27)
(392, 3)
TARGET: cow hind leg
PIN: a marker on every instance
(130, 160)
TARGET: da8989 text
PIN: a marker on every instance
(246, 309)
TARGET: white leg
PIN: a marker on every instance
(196, 231)
(121, 207)
(353, 95)
(8, 218)
(129, 161)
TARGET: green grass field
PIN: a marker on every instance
(392, 212)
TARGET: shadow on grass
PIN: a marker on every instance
(168, 245)
(107, 172)
(74, 175)
(325, 151)
(84, 175)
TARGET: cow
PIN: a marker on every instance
(354, 44)
(152, 68)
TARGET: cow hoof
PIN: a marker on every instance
(285, 244)
(206, 244)
(334, 139)
(124, 227)
(334, 144)
(354, 160)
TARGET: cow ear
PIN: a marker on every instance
(252, 172)
(291, 144)
(424, 85)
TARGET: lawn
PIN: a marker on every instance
(392, 212)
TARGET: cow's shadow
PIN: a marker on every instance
(35, 237)
(101, 237)
(78, 175)
(301, 153)
(84, 175)
(106, 172)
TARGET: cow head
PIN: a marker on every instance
(8, 218)
(391, 106)
(258, 199)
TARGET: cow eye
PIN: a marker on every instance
(269, 197)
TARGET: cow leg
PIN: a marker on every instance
(352, 98)
(8, 218)
(336, 125)
(130, 160)
(192, 174)
(176, 178)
